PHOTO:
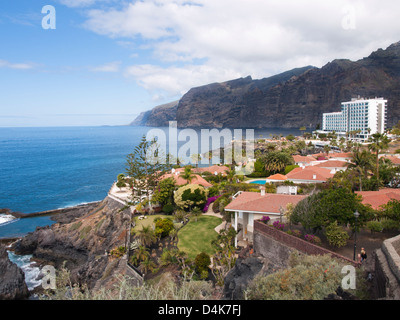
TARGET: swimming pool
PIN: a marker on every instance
(259, 182)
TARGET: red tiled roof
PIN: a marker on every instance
(307, 159)
(269, 203)
(378, 198)
(213, 169)
(277, 176)
(346, 155)
(395, 160)
(332, 164)
(308, 173)
(180, 181)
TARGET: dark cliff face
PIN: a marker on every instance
(81, 243)
(292, 99)
(12, 279)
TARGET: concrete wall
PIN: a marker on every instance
(387, 270)
(271, 242)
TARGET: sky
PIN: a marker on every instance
(102, 62)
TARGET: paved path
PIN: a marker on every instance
(211, 212)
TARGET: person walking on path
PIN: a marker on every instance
(363, 254)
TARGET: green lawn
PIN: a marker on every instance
(196, 237)
(149, 221)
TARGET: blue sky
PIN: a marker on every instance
(109, 60)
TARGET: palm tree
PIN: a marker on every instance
(327, 149)
(277, 161)
(196, 158)
(379, 143)
(362, 162)
(147, 265)
(188, 174)
(140, 254)
(146, 236)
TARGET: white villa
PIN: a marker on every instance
(250, 206)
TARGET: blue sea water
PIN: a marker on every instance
(50, 168)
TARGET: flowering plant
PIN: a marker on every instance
(265, 219)
(313, 239)
(209, 201)
(278, 225)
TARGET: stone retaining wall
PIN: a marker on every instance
(284, 243)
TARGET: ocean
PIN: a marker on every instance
(50, 168)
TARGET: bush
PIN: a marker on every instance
(118, 252)
(390, 224)
(374, 226)
(168, 208)
(311, 278)
(312, 239)
(191, 195)
(295, 233)
(337, 237)
(209, 201)
(202, 262)
(278, 225)
(265, 219)
(163, 227)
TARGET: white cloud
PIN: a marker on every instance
(238, 38)
(108, 67)
(17, 66)
(77, 3)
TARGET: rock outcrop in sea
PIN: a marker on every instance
(12, 279)
(81, 242)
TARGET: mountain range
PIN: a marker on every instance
(291, 99)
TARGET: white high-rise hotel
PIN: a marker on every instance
(368, 116)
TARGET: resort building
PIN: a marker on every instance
(364, 116)
(250, 206)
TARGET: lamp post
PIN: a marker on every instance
(356, 215)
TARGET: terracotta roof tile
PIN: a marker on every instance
(378, 198)
(310, 173)
(277, 176)
(332, 164)
(269, 203)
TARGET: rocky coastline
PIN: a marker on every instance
(79, 241)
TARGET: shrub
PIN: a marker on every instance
(374, 226)
(311, 278)
(278, 225)
(265, 219)
(163, 227)
(296, 233)
(202, 262)
(209, 201)
(390, 224)
(312, 239)
(190, 195)
(118, 252)
(168, 208)
(336, 236)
